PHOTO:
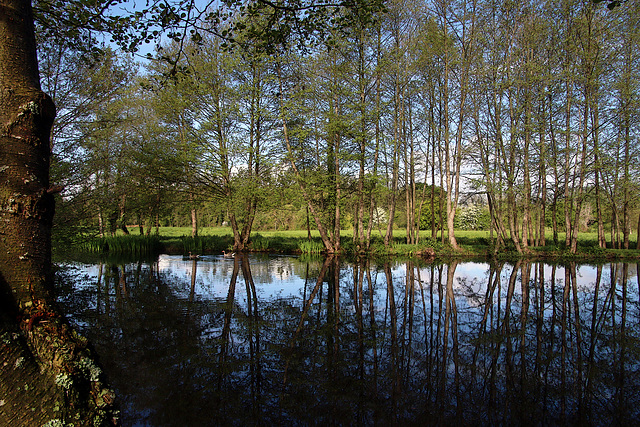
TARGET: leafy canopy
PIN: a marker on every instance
(282, 23)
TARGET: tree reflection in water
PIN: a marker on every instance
(306, 342)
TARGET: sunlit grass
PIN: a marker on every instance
(186, 231)
(217, 239)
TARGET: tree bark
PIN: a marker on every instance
(542, 176)
(377, 138)
(27, 202)
(123, 214)
(194, 222)
(40, 348)
(638, 234)
(602, 241)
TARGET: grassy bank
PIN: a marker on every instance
(177, 240)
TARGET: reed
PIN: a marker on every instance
(124, 245)
(217, 239)
(259, 243)
(96, 245)
(205, 244)
(193, 244)
(310, 247)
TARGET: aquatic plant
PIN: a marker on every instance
(124, 245)
(205, 244)
(259, 243)
(310, 247)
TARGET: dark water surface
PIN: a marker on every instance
(285, 341)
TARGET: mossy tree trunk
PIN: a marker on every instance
(46, 371)
(26, 199)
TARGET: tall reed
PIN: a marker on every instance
(205, 244)
(310, 247)
(124, 245)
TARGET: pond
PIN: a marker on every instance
(290, 341)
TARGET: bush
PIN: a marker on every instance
(474, 217)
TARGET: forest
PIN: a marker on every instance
(518, 117)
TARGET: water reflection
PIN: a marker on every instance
(279, 340)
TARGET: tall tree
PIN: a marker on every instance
(27, 200)
(27, 115)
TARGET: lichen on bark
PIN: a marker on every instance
(48, 373)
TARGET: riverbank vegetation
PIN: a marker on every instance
(214, 240)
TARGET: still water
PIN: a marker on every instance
(272, 340)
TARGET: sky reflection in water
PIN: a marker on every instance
(261, 339)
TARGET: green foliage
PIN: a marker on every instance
(205, 244)
(259, 243)
(96, 245)
(595, 251)
(125, 245)
(195, 244)
(271, 27)
(311, 246)
(430, 216)
(559, 217)
(218, 239)
(434, 244)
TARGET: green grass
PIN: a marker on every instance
(178, 240)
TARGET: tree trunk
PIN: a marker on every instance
(27, 207)
(123, 214)
(567, 171)
(388, 237)
(542, 176)
(434, 232)
(359, 234)
(411, 216)
(602, 241)
(308, 225)
(407, 197)
(447, 158)
(100, 222)
(377, 137)
(626, 218)
(140, 224)
(638, 234)
(334, 170)
(194, 222)
(395, 173)
(527, 222)
(336, 221)
(27, 203)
